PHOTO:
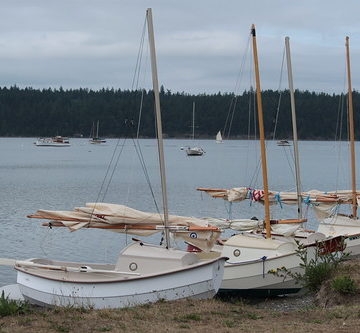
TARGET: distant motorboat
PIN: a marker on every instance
(283, 143)
(219, 137)
(195, 151)
(56, 141)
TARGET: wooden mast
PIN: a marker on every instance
(262, 135)
(294, 126)
(351, 131)
(158, 124)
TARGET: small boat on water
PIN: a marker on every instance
(219, 137)
(56, 141)
(94, 137)
(283, 143)
(194, 151)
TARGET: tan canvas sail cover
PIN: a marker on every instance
(112, 215)
(323, 203)
(123, 219)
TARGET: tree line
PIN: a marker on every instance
(29, 112)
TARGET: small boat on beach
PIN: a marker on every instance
(143, 273)
(56, 141)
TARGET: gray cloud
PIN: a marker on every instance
(200, 44)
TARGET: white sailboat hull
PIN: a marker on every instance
(251, 258)
(63, 284)
(201, 283)
(253, 277)
(343, 226)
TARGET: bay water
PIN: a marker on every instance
(61, 178)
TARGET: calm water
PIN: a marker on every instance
(34, 178)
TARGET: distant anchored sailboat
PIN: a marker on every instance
(219, 137)
(94, 137)
(194, 151)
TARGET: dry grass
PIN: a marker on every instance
(328, 297)
(185, 316)
(217, 315)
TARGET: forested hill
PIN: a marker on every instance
(49, 112)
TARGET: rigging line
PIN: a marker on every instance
(255, 175)
(337, 130)
(232, 116)
(227, 118)
(104, 179)
(142, 94)
(44, 239)
(339, 144)
(280, 94)
(290, 162)
(129, 124)
(342, 101)
(242, 66)
(140, 113)
(139, 57)
(233, 102)
(250, 108)
(249, 132)
(255, 115)
(146, 174)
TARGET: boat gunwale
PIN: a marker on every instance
(199, 264)
(246, 262)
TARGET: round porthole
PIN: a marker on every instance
(236, 252)
(193, 235)
(133, 266)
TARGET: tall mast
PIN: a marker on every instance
(193, 122)
(97, 129)
(352, 131)
(294, 126)
(158, 123)
(262, 135)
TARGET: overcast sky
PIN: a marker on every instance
(200, 43)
